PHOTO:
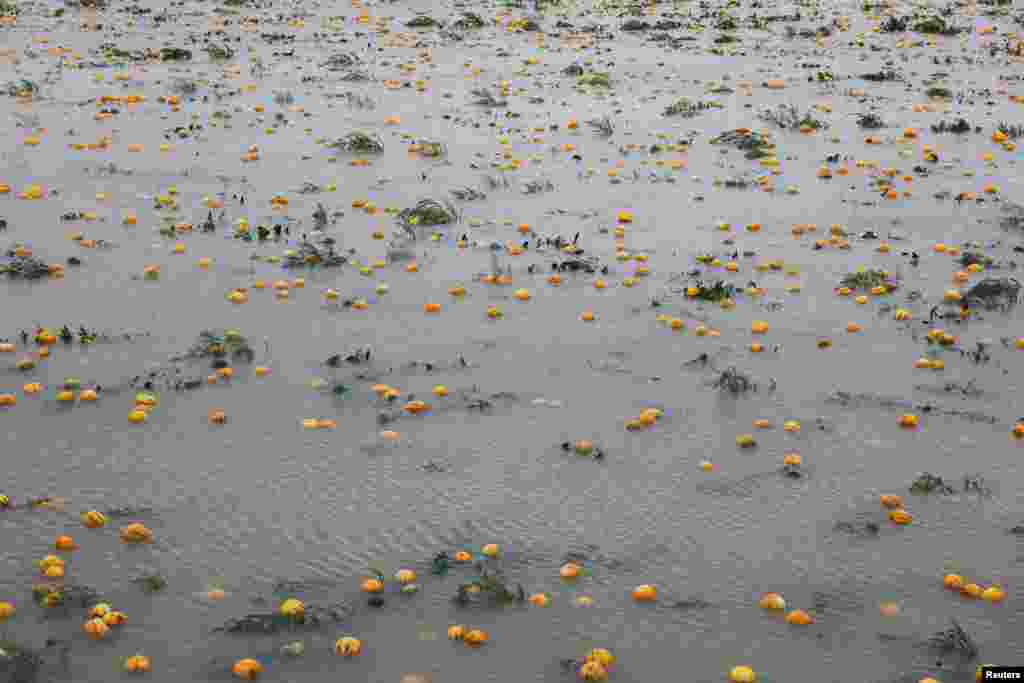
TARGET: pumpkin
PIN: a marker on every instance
(348, 646)
(96, 629)
(6, 610)
(136, 533)
(901, 517)
(65, 396)
(953, 581)
(772, 601)
(65, 544)
(993, 594)
(539, 600)
(475, 638)
(745, 441)
(8, 399)
(891, 501)
(431, 308)
(490, 550)
(971, 590)
(798, 617)
(137, 416)
(592, 670)
(50, 561)
(93, 519)
(415, 407)
(645, 593)
(215, 594)
(522, 294)
(908, 421)
(32, 388)
(292, 608)
(247, 669)
(463, 556)
(569, 570)
(114, 618)
(601, 655)
(457, 632)
(759, 327)
(405, 576)
(372, 586)
(742, 674)
(792, 460)
(587, 316)
(583, 447)
(88, 396)
(138, 664)
(218, 417)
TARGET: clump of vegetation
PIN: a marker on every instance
(870, 121)
(485, 98)
(893, 24)
(883, 76)
(175, 54)
(467, 194)
(489, 589)
(151, 583)
(25, 267)
(725, 39)
(755, 145)
(309, 254)
(219, 52)
(954, 640)
(970, 258)
(221, 345)
(959, 126)
(8, 8)
(422, 21)
(939, 92)
(929, 483)
(603, 127)
(269, 623)
(995, 293)
(468, 21)
(869, 279)
(597, 79)
(359, 142)
(427, 212)
(726, 23)
(341, 62)
(734, 381)
(789, 117)
(714, 292)
(936, 25)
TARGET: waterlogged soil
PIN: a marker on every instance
(246, 504)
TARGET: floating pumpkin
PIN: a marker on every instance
(372, 586)
(114, 618)
(348, 646)
(539, 600)
(490, 550)
(592, 670)
(65, 544)
(463, 556)
(901, 517)
(601, 655)
(772, 601)
(908, 421)
(584, 447)
(247, 669)
(475, 638)
(136, 533)
(405, 576)
(742, 674)
(645, 593)
(292, 608)
(993, 594)
(891, 501)
(457, 632)
(138, 664)
(569, 570)
(6, 610)
(953, 581)
(971, 590)
(93, 519)
(96, 629)
(798, 617)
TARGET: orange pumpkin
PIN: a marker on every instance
(798, 617)
(138, 664)
(96, 629)
(475, 638)
(348, 646)
(93, 519)
(65, 544)
(136, 533)
(645, 593)
(247, 669)
(372, 586)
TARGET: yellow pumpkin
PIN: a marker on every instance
(742, 674)
(475, 638)
(592, 670)
(953, 582)
(292, 608)
(600, 654)
(901, 517)
(6, 610)
(93, 519)
(348, 646)
(772, 601)
(405, 576)
(136, 533)
(457, 632)
(65, 544)
(490, 550)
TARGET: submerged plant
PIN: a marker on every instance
(596, 79)
(604, 127)
(686, 108)
(869, 279)
(426, 213)
(359, 142)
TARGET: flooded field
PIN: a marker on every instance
(606, 321)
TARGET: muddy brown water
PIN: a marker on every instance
(259, 499)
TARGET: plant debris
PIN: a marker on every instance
(359, 142)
